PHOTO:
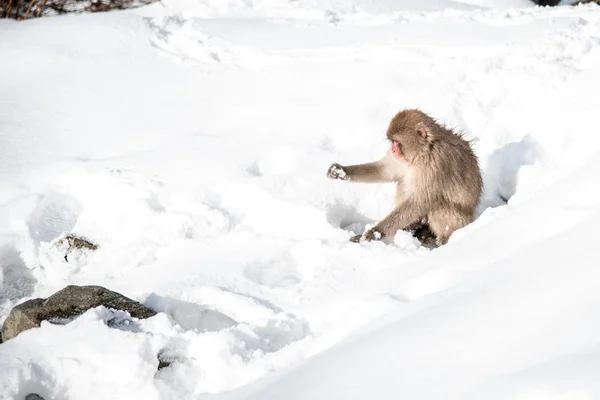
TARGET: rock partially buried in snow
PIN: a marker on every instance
(68, 303)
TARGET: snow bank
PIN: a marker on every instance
(315, 9)
(191, 142)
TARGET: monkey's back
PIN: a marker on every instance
(452, 173)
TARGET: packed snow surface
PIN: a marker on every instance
(191, 140)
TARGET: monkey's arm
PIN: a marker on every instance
(374, 172)
(401, 216)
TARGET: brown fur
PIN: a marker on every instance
(438, 178)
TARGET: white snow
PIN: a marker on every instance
(191, 139)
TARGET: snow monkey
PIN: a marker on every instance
(437, 178)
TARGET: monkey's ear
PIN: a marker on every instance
(422, 129)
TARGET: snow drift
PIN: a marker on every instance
(191, 140)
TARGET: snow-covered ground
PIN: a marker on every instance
(190, 140)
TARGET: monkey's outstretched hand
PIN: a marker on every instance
(336, 171)
(368, 236)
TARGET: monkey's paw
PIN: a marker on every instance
(336, 171)
(368, 236)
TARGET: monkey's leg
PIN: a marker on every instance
(420, 230)
(425, 236)
(416, 226)
(401, 217)
(445, 220)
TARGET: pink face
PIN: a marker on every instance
(397, 150)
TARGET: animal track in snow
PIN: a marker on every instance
(16, 280)
(277, 272)
(185, 41)
(345, 216)
(190, 315)
(54, 214)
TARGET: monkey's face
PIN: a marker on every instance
(407, 142)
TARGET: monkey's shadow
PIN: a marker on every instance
(346, 217)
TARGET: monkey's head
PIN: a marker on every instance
(410, 134)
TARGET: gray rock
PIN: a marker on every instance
(163, 363)
(66, 304)
(22, 317)
(550, 3)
